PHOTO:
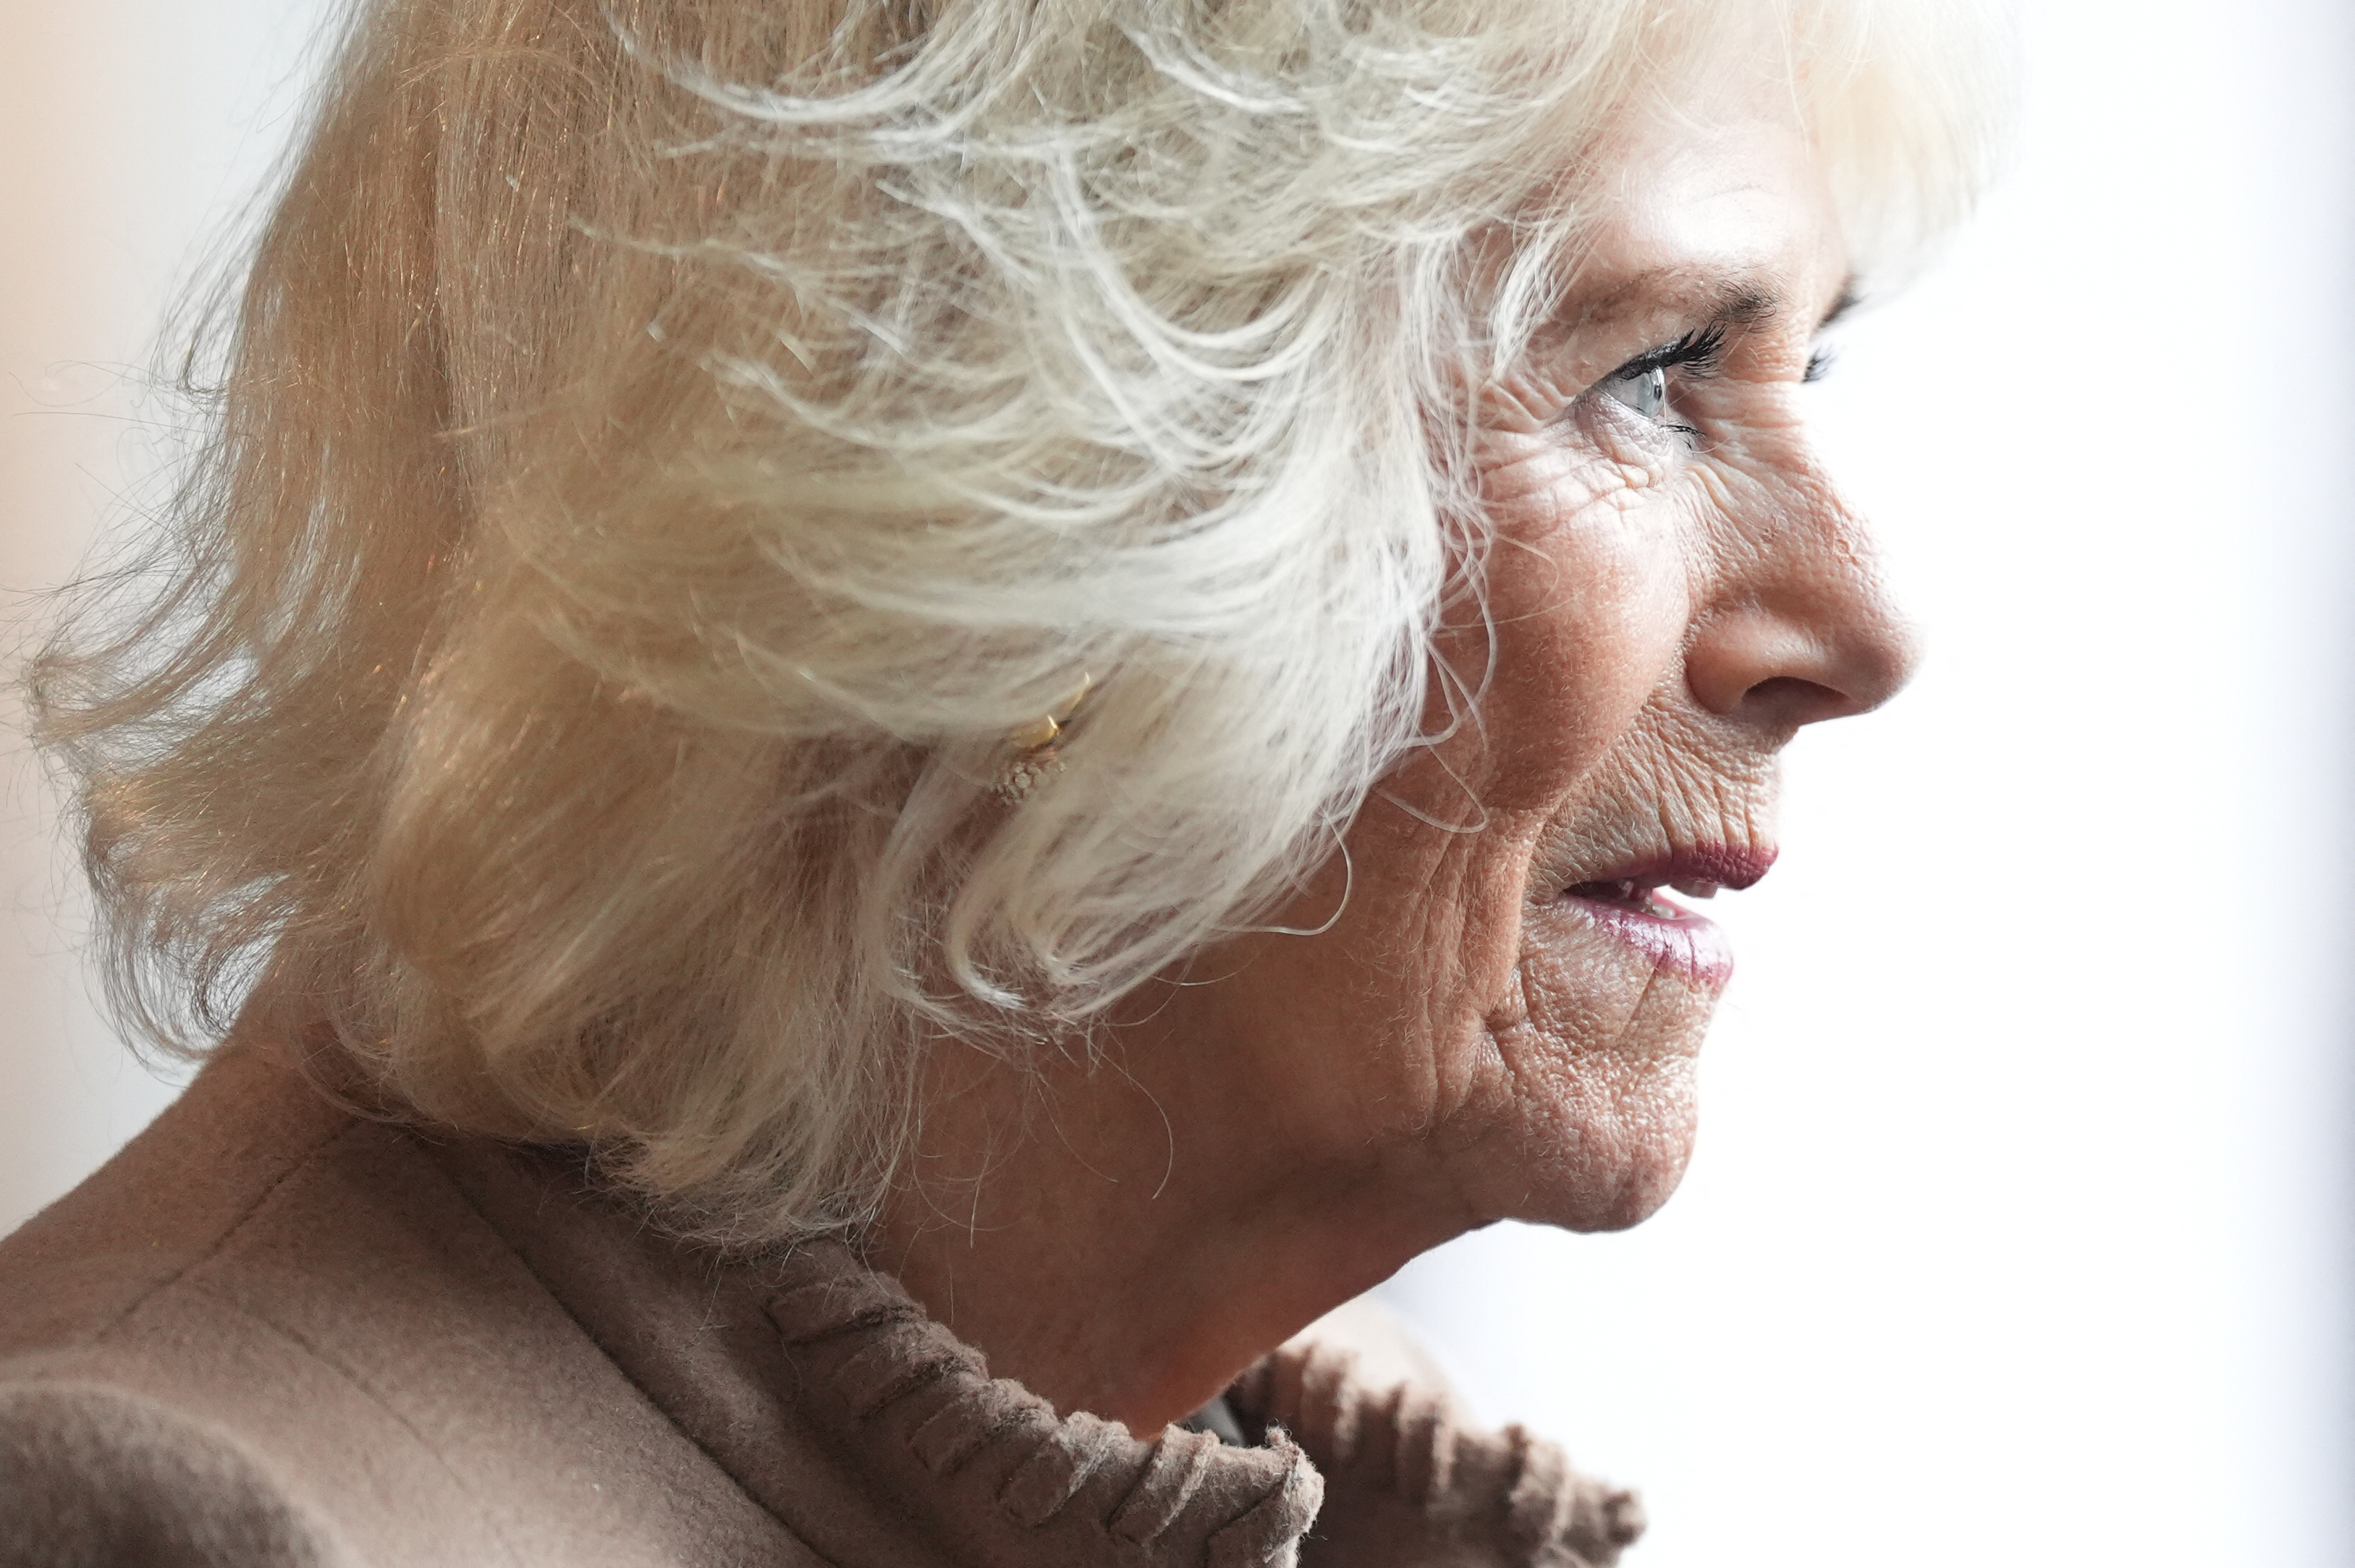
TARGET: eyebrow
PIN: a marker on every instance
(1724, 301)
(1852, 295)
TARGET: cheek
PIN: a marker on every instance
(1589, 600)
(1575, 1068)
(1587, 605)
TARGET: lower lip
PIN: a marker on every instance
(1676, 939)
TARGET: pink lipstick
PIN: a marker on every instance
(1626, 903)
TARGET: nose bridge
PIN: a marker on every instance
(1802, 626)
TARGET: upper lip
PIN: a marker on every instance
(1699, 871)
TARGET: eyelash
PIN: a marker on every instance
(1700, 351)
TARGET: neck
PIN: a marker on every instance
(1124, 1242)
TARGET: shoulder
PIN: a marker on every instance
(171, 1200)
(201, 1348)
(91, 1473)
(269, 1305)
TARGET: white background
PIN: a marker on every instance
(2018, 1230)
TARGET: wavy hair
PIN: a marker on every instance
(659, 449)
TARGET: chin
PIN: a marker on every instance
(1643, 1187)
(1606, 1158)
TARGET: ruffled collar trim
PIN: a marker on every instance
(1402, 1474)
(920, 1408)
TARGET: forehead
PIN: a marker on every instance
(1712, 197)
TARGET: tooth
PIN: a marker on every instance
(1696, 889)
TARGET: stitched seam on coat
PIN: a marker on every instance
(746, 1492)
(229, 1232)
(351, 1376)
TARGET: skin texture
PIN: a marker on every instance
(1297, 1116)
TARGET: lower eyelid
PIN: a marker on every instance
(1627, 438)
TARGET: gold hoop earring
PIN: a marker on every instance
(1036, 753)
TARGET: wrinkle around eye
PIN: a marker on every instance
(1564, 476)
(1519, 407)
(1567, 458)
(1627, 438)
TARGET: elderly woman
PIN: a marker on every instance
(862, 693)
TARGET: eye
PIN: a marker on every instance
(1641, 385)
(1645, 391)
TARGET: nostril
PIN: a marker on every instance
(1787, 701)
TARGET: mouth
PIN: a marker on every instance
(1628, 902)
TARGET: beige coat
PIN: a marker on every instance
(274, 1333)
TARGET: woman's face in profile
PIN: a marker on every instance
(1511, 992)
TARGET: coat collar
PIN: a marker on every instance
(882, 1440)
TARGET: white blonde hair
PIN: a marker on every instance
(663, 446)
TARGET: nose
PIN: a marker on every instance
(1808, 632)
